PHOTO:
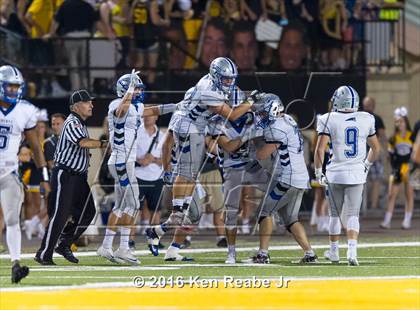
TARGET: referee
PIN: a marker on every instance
(70, 205)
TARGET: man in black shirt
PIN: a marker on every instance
(57, 121)
(376, 172)
(75, 20)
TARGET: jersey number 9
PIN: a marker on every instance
(351, 135)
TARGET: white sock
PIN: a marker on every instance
(264, 252)
(124, 237)
(14, 239)
(388, 217)
(231, 249)
(220, 238)
(245, 221)
(108, 239)
(188, 238)
(310, 253)
(407, 216)
(334, 246)
(352, 250)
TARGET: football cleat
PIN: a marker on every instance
(175, 257)
(106, 253)
(260, 258)
(353, 261)
(385, 225)
(332, 257)
(152, 240)
(406, 224)
(19, 272)
(125, 256)
(231, 258)
(308, 259)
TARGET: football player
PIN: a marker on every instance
(283, 145)
(208, 97)
(17, 116)
(124, 119)
(347, 131)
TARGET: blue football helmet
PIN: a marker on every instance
(10, 75)
(224, 73)
(345, 99)
(122, 86)
(268, 111)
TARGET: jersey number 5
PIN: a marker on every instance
(351, 135)
(4, 136)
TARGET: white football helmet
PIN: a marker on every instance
(224, 72)
(345, 99)
(270, 108)
(10, 75)
(124, 82)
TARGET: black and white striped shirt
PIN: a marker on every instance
(68, 152)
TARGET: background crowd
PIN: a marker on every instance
(162, 35)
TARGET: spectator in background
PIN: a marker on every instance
(214, 42)
(115, 16)
(178, 46)
(57, 121)
(36, 224)
(146, 20)
(250, 10)
(400, 148)
(149, 171)
(244, 49)
(292, 50)
(75, 31)
(376, 172)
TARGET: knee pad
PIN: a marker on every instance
(353, 223)
(335, 226)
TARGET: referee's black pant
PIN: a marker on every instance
(70, 209)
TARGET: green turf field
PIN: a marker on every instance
(374, 262)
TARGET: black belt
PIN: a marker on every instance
(69, 170)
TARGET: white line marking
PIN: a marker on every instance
(244, 249)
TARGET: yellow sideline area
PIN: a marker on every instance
(315, 294)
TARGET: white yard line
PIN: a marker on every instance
(243, 249)
(148, 283)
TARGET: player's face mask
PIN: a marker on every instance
(11, 93)
(139, 96)
(262, 120)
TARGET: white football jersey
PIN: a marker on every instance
(194, 108)
(13, 122)
(290, 167)
(348, 134)
(123, 132)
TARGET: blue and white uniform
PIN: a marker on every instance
(121, 164)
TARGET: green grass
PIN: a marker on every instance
(391, 261)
